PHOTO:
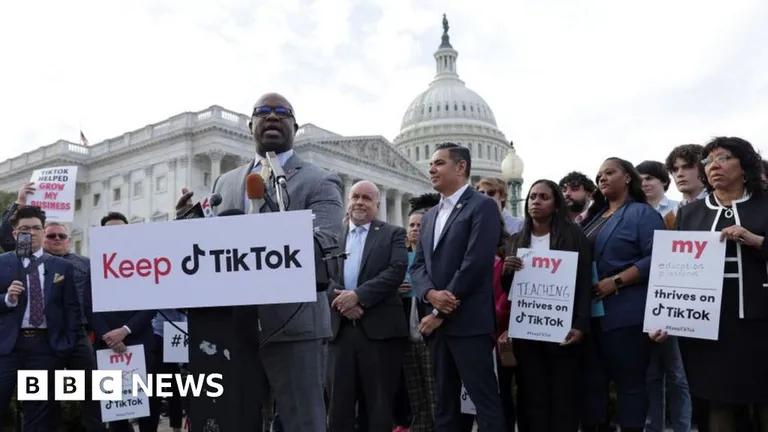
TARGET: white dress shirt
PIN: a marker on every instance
(41, 274)
(445, 208)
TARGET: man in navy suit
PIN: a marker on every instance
(453, 273)
(39, 315)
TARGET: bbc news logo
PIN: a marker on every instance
(113, 385)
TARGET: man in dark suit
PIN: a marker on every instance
(118, 330)
(369, 333)
(39, 315)
(291, 337)
(453, 272)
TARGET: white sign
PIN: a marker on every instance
(130, 363)
(685, 284)
(55, 192)
(221, 261)
(542, 295)
(467, 406)
(175, 342)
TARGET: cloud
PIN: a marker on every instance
(586, 79)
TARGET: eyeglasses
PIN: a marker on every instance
(24, 228)
(280, 111)
(490, 192)
(54, 236)
(719, 159)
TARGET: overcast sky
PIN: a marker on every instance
(571, 82)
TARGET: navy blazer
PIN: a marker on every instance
(140, 323)
(62, 307)
(461, 263)
(624, 241)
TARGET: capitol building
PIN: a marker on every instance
(141, 172)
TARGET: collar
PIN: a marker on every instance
(282, 158)
(453, 199)
(353, 226)
(717, 205)
(703, 194)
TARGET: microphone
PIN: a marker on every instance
(277, 170)
(281, 185)
(202, 208)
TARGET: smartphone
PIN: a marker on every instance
(24, 245)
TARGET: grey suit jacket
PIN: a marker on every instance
(382, 270)
(309, 187)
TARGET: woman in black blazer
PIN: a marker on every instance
(549, 374)
(732, 372)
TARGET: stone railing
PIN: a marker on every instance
(189, 120)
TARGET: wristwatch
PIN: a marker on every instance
(619, 282)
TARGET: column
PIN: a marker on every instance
(383, 204)
(397, 217)
(173, 189)
(216, 157)
(127, 196)
(149, 189)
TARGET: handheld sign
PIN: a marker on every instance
(542, 295)
(175, 342)
(129, 363)
(55, 192)
(251, 259)
(685, 284)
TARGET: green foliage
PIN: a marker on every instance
(6, 198)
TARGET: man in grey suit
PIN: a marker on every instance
(369, 332)
(453, 272)
(291, 336)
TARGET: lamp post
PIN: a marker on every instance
(512, 172)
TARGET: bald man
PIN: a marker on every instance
(369, 332)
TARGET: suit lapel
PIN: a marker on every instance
(607, 231)
(370, 241)
(48, 274)
(291, 167)
(343, 243)
(428, 231)
(455, 212)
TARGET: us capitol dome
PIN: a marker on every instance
(449, 111)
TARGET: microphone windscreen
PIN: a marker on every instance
(214, 200)
(254, 186)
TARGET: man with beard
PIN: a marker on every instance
(577, 189)
(291, 337)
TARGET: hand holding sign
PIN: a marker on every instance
(741, 235)
(27, 189)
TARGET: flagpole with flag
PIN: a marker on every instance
(83, 139)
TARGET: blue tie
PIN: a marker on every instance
(354, 259)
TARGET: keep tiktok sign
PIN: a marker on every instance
(685, 284)
(227, 261)
(542, 295)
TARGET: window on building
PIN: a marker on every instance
(409, 152)
(496, 153)
(447, 108)
(463, 107)
(161, 183)
(480, 151)
(438, 108)
(78, 247)
(78, 204)
(96, 199)
(488, 150)
(426, 151)
(138, 188)
(206, 179)
(469, 146)
(116, 194)
(455, 107)
(418, 156)
(430, 108)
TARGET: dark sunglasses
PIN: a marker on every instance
(54, 236)
(490, 192)
(280, 111)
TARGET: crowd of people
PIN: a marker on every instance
(417, 317)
